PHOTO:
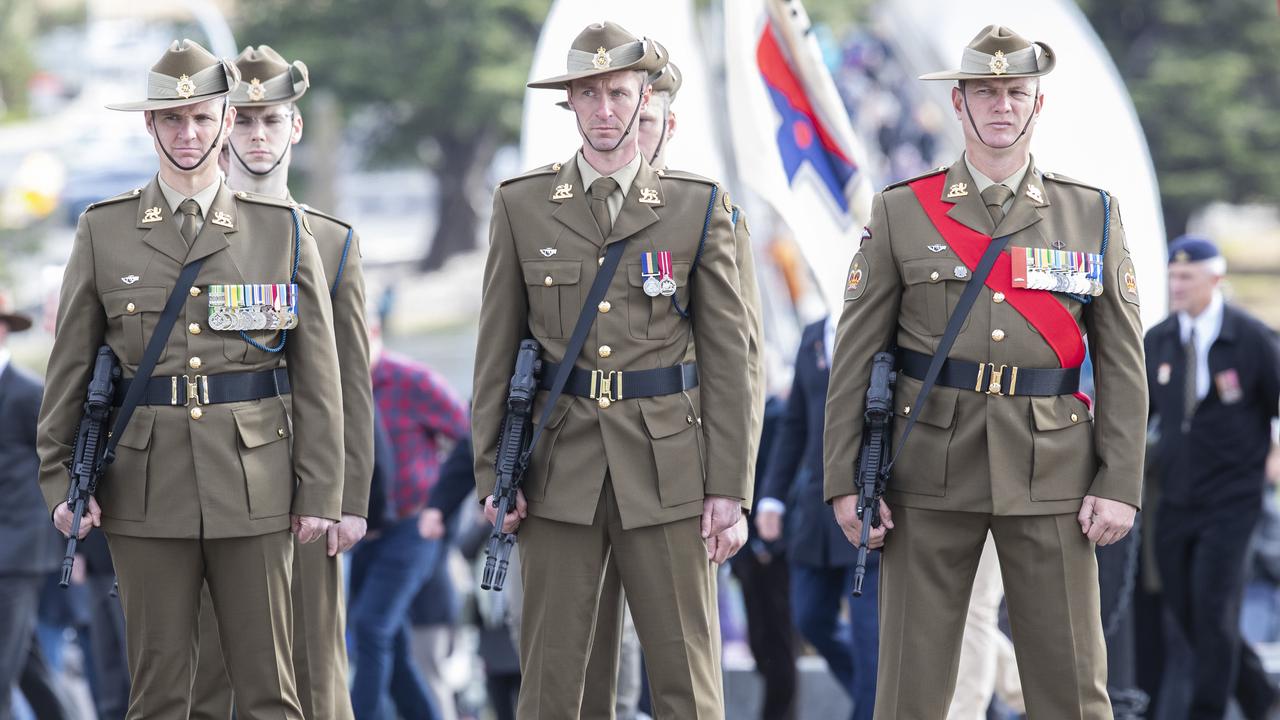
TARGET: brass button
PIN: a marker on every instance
(195, 291)
(548, 281)
(279, 432)
(933, 276)
(998, 297)
(196, 413)
(1075, 417)
(600, 261)
(997, 335)
(130, 308)
(194, 328)
(688, 419)
(906, 410)
(194, 363)
(605, 351)
(604, 306)
(604, 402)
(242, 195)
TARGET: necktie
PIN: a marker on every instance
(601, 189)
(995, 197)
(189, 209)
(1190, 397)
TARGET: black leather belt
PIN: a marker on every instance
(209, 389)
(994, 379)
(608, 386)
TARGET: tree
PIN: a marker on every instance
(1203, 79)
(445, 79)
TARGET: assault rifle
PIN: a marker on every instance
(90, 459)
(873, 457)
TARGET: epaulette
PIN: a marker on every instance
(686, 175)
(900, 183)
(127, 195)
(1059, 177)
(263, 199)
(317, 213)
(536, 172)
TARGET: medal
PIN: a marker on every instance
(668, 283)
(649, 270)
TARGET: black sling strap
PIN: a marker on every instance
(579, 337)
(963, 306)
(152, 354)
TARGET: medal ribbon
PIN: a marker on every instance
(664, 264)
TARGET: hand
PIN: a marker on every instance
(308, 528)
(1105, 521)
(769, 524)
(719, 514)
(727, 544)
(846, 508)
(431, 523)
(343, 535)
(92, 518)
(513, 518)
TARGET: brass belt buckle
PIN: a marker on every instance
(606, 387)
(197, 389)
(995, 379)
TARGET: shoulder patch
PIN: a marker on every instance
(900, 183)
(316, 213)
(670, 174)
(1127, 280)
(550, 169)
(128, 195)
(1060, 178)
(856, 284)
(263, 200)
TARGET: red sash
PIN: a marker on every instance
(1041, 309)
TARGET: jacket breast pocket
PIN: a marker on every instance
(123, 491)
(554, 295)
(265, 456)
(933, 287)
(1063, 464)
(922, 467)
(677, 450)
(655, 318)
(137, 309)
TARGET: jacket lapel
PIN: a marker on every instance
(157, 220)
(637, 211)
(1025, 210)
(573, 211)
(962, 193)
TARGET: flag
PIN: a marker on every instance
(792, 140)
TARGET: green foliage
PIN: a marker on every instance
(1203, 79)
(16, 63)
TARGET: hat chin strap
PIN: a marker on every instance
(662, 141)
(288, 143)
(1025, 126)
(630, 125)
(174, 161)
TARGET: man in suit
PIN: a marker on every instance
(29, 550)
(238, 435)
(1004, 443)
(641, 474)
(268, 124)
(1214, 376)
(821, 560)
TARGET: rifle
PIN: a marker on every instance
(873, 457)
(90, 459)
(512, 459)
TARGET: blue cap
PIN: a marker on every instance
(1189, 248)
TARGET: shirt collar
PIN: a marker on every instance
(1207, 324)
(204, 198)
(624, 175)
(5, 357)
(1013, 182)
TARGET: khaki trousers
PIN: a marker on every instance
(248, 579)
(1051, 585)
(670, 586)
(613, 683)
(319, 643)
(987, 662)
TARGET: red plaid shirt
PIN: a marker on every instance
(418, 411)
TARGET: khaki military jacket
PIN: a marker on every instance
(663, 454)
(971, 451)
(223, 470)
(345, 275)
(750, 286)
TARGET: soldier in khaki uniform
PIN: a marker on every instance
(268, 124)
(238, 438)
(643, 480)
(1004, 443)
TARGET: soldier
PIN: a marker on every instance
(1004, 442)
(268, 124)
(634, 473)
(214, 467)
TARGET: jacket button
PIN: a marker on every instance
(279, 432)
(195, 363)
(600, 261)
(604, 402)
(997, 335)
(604, 306)
(194, 328)
(906, 410)
(1075, 417)
(688, 419)
(605, 351)
(130, 308)
(196, 413)
(933, 276)
(195, 291)
(998, 297)
(548, 281)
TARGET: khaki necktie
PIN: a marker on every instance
(189, 209)
(995, 197)
(601, 189)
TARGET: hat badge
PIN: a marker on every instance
(1182, 256)
(602, 60)
(186, 88)
(256, 91)
(999, 64)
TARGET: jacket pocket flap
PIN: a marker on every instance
(260, 424)
(1058, 412)
(561, 272)
(557, 415)
(932, 270)
(137, 434)
(939, 408)
(679, 269)
(666, 415)
(142, 299)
